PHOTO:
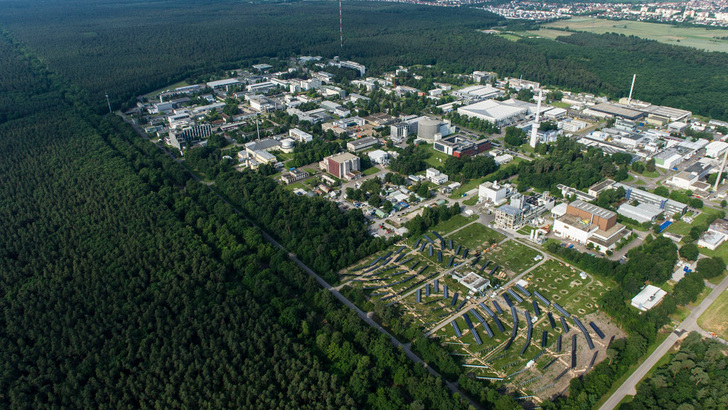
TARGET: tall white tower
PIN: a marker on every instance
(631, 89)
(536, 122)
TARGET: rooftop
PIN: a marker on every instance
(509, 210)
(593, 209)
(344, 156)
(617, 110)
(494, 109)
(265, 144)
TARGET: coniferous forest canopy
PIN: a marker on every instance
(128, 48)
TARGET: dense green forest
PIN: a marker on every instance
(127, 48)
(695, 378)
(126, 284)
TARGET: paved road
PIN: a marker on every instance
(411, 355)
(689, 325)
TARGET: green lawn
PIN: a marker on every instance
(443, 228)
(513, 256)
(473, 200)
(510, 37)
(715, 318)
(167, 88)
(436, 158)
(370, 171)
(475, 236)
(683, 228)
(716, 280)
(560, 104)
(562, 284)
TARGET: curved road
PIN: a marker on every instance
(690, 324)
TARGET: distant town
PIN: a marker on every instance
(707, 13)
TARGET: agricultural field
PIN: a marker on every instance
(694, 37)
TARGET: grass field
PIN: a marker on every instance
(513, 256)
(695, 37)
(443, 228)
(473, 200)
(561, 283)
(167, 88)
(474, 236)
(436, 158)
(683, 228)
(370, 171)
(715, 318)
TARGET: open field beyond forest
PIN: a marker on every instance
(696, 37)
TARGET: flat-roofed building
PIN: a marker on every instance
(641, 213)
(670, 206)
(493, 192)
(598, 216)
(586, 223)
(223, 83)
(460, 147)
(300, 136)
(294, 175)
(509, 217)
(608, 110)
(715, 149)
(715, 235)
(597, 188)
(648, 298)
(361, 144)
(496, 112)
(344, 165)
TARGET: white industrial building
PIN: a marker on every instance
(300, 136)
(494, 193)
(435, 176)
(668, 159)
(648, 298)
(478, 92)
(717, 233)
(715, 149)
(379, 157)
(497, 112)
(641, 213)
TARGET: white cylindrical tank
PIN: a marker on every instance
(427, 129)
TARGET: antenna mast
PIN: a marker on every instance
(341, 28)
(108, 103)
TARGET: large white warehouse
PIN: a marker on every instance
(497, 112)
